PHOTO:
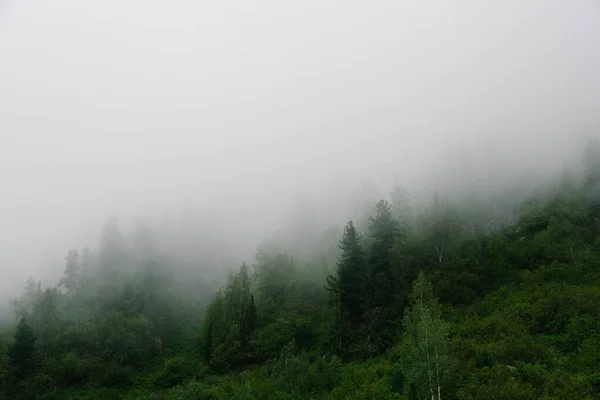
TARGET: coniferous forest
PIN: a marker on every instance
(300, 200)
(460, 300)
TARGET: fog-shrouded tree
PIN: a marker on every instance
(384, 231)
(48, 320)
(71, 277)
(402, 208)
(348, 286)
(500, 308)
(21, 361)
(24, 306)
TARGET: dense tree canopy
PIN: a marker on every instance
(460, 300)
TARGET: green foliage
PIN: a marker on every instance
(424, 356)
(230, 323)
(384, 307)
(176, 371)
(499, 382)
(21, 362)
(349, 289)
(71, 277)
(503, 306)
(192, 391)
(70, 370)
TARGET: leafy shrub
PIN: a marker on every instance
(174, 371)
(70, 370)
(117, 375)
(192, 390)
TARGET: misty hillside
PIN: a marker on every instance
(317, 199)
(464, 299)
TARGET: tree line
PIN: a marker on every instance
(457, 300)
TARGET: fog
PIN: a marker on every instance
(232, 111)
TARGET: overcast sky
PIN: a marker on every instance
(130, 106)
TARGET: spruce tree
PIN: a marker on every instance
(249, 320)
(384, 231)
(20, 352)
(47, 312)
(352, 274)
(207, 347)
(70, 279)
(349, 286)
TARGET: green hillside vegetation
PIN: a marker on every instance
(452, 302)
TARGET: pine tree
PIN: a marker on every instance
(402, 208)
(348, 288)
(21, 351)
(244, 297)
(208, 344)
(249, 321)
(383, 226)
(274, 275)
(352, 273)
(24, 306)
(339, 321)
(70, 279)
(384, 231)
(48, 319)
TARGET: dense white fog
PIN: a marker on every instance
(229, 119)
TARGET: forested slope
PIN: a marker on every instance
(459, 301)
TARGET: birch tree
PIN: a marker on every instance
(425, 357)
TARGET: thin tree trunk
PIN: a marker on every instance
(429, 372)
(427, 348)
(440, 252)
(340, 321)
(437, 373)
